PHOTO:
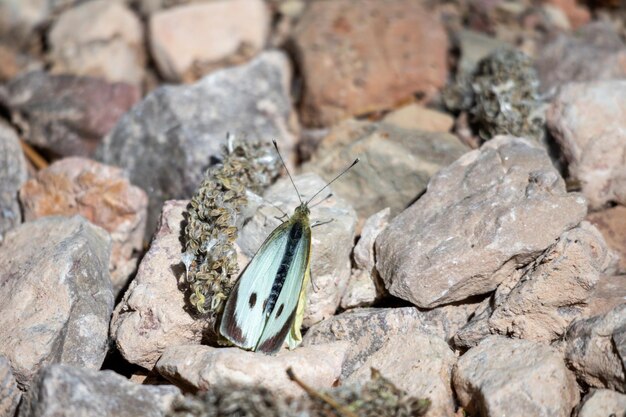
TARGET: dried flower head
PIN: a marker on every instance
(214, 216)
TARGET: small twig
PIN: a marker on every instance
(33, 156)
(321, 396)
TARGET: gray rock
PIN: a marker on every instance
(12, 175)
(502, 204)
(166, 142)
(63, 390)
(10, 395)
(55, 295)
(603, 403)
(595, 349)
(504, 377)
(473, 47)
(331, 242)
(395, 166)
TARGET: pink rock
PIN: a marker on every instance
(612, 224)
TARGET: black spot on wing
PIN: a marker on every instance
(252, 300)
(280, 310)
(273, 344)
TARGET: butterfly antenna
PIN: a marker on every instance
(286, 169)
(356, 161)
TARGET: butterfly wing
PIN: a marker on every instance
(281, 318)
(244, 319)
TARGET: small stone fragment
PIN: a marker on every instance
(612, 224)
(591, 349)
(12, 176)
(226, 32)
(204, 367)
(503, 204)
(603, 403)
(331, 242)
(55, 295)
(99, 38)
(62, 390)
(10, 395)
(350, 69)
(588, 121)
(515, 378)
(66, 114)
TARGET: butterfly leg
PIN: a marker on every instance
(319, 223)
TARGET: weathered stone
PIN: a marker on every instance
(166, 141)
(62, 390)
(577, 14)
(416, 117)
(204, 367)
(99, 38)
(102, 195)
(55, 295)
(65, 114)
(152, 315)
(595, 52)
(612, 224)
(396, 163)
(10, 395)
(503, 204)
(12, 176)
(602, 403)
(419, 363)
(331, 243)
(609, 292)
(350, 69)
(592, 352)
(508, 377)
(226, 32)
(588, 121)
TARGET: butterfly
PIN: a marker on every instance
(266, 306)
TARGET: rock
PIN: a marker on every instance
(55, 295)
(166, 141)
(588, 121)
(602, 403)
(63, 390)
(99, 193)
(204, 367)
(514, 378)
(590, 350)
(331, 243)
(365, 286)
(416, 117)
(396, 163)
(612, 224)
(152, 315)
(14, 61)
(12, 176)
(66, 114)
(226, 32)
(419, 363)
(577, 14)
(10, 395)
(350, 69)
(98, 38)
(474, 47)
(607, 294)
(488, 205)
(595, 52)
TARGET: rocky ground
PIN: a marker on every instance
(477, 257)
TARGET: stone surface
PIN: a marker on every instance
(577, 14)
(350, 68)
(63, 390)
(98, 38)
(66, 114)
(224, 32)
(365, 286)
(55, 295)
(203, 367)
(395, 167)
(153, 315)
(331, 242)
(591, 349)
(612, 224)
(99, 193)
(508, 377)
(602, 403)
(595, 52)
(419, 363)
(12, 176)
(588, 121)
(416, 117)
(10, 395)
(473, 47)
(607, 294)
(488, 205)
(166, 141)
